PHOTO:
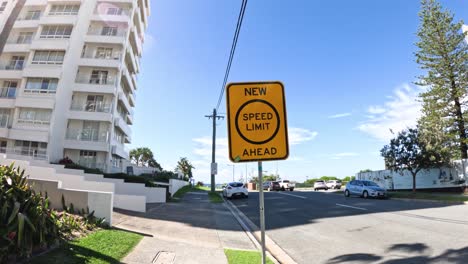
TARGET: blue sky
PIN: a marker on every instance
(347, 67)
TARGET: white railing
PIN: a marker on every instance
(39, 154)
(34, 122)
(87, 78)
(13, 66)
(4, 120)
(101, 107)
(99, 32)
(8, 92)
(17, 40)
(92, 135)
(63, 36)
(51, 62)
(40, 91)
(92, 164)
(115, 56)
(120, 12)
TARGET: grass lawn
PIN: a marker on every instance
(104, 246)
(430, 196)
(244, 257)
(215, 197)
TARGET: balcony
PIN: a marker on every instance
(119, 16)
(89, 139)
(119, 150)
(123, 98)
(91, 111)
(12, 70)
(99, 80)
(122, 124)
(97, 35)
(113, 61)
(27, 22)
(30, 134)
(58, 43)
(92, 164)
(35, 102)
(19, 44)
(58, 20)
(84, 83)
(128, 78)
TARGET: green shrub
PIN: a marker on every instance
(130, 179)
(26, 222)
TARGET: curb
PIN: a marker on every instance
(431, 201)
(253, 232)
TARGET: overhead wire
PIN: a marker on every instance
(233, 50)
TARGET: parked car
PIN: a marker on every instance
(287, 185)
(334, 184)
(235, 189)
(320, 185)
(266, 185)
(273, 186)
(365, 189)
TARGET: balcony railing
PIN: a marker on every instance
(91, 164)
(116, 12)
(87, 78)
(91, 135)
(4, 120)
(13, 66)
(17, 40)
(100, 107)
(40, 91)
(115, 56)
(39, 154)
(107, 33)
(8, 92)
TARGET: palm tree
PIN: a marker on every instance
(184, 166)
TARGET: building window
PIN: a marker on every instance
(41, 85)
(64, 10)
(24, 38)
(34, 116)
(88, 158)
(16, 63)
(4, 117)
(8, 90)
(109, 31)
(114, 11)
(48, 57)
(99, 77)
(33, 15)
(3, 6)
(56, 32)
(31, 148)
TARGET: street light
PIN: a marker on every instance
(233, 169)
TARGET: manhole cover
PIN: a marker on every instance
(164, 257)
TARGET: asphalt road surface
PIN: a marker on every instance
(322, 227)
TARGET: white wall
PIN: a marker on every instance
(175, 185)
(425, 179)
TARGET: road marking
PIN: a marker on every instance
(298, 196)
(358, 208)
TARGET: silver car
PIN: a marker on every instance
(365, 189)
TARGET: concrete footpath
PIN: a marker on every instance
(193, 230)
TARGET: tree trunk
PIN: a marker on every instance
(414, 181)
(461, 127)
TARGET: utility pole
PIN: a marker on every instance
(213, 149)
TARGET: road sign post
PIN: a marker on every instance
(257, 129)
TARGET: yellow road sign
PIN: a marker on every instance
(257, 124)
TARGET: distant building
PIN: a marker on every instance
(68, 78)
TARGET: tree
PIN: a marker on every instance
(443, 53)
(409, 151)
(144, 157)
(184, 166)
(271, 177)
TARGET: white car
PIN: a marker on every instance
(287, 185)
(334, 184)
(320, 185)
(235, 189)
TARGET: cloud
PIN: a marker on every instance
(339, 115)
(300, 135)
(344, 155)
(401, 110)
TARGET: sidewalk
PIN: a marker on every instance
(193, 230)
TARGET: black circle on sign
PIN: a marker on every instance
(277, 118)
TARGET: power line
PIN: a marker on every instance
(233, 50)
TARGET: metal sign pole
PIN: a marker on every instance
(262, 210)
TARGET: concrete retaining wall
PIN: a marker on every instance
(455, 177)
(175, 185)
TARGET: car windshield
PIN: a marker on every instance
(286, 181)
(274, 182)
(236, 184)
(369, 183)
(319, 181)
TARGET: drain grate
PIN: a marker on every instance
(164, 257)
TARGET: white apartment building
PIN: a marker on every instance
(68, 78)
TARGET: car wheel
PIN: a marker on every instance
(282, 188)
(326, 189)
(291, 189)
(365, 194)
(346, 193)
(315, 190)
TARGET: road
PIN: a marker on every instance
(322, 227)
